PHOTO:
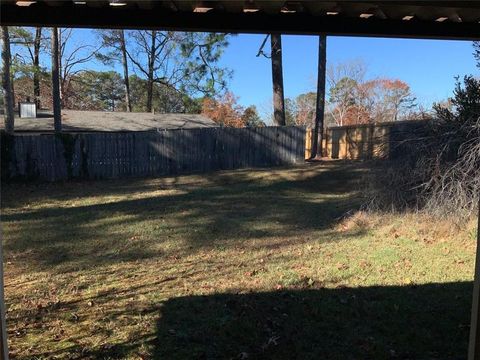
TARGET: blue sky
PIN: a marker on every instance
(428, 66)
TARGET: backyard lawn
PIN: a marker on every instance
(247, 264)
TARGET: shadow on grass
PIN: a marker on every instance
(392, 322)
(230, 209)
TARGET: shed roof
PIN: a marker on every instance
(420, 19)
(87, 121)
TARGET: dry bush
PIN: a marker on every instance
(418, 226)
(358, 221)
(437, 171)
(457, 186)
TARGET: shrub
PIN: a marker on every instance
(439, 171)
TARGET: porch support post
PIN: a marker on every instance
(474, 345)
(3, 325)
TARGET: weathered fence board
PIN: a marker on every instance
(53, 157)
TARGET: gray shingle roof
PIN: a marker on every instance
(114, 121)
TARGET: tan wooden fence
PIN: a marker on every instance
(367, 141)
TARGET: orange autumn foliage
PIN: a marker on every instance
(224, 111)
(378, 100)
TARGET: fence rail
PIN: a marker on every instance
(124, 154)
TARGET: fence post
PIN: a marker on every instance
(308, 144)
(474, 344)
(3, 324)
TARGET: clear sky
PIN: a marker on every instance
(428, 66)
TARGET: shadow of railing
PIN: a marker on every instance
(428, 321)
(415, 322)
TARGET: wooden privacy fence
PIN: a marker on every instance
(114, 155)
(369, 141)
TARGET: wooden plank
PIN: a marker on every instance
(3, 324)
(19, 159)
(294, 137)
(121, 155)
(163, 162)
(146, 153)
(308, 144)
(105, 156)
(115, 157)
(474, 344)
(248, 148)
(130, 160)
(263, 146)
(151, 152)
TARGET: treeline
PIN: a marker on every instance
(160, 70)
(350, 100)
(353, 99)
(165, 71)
(105, 91)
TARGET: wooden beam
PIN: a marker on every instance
(162, 18)
(3, 324)
(474, 345)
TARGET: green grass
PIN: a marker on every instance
(257, 264)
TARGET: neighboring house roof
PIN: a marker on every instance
(84, 121)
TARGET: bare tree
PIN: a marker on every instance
(354, 69)
(342, 80)
(7, 82)
(70, 61)
(57, 107)
(320, 108)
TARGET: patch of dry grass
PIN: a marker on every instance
(251, 263)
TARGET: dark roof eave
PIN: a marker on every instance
(137, 18)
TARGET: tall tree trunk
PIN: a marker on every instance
(125, 71)
(151, 63)
(149, 95)
(36, 66)
(7, 82)
(277, 80)
(57, 109)
(320, 108)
